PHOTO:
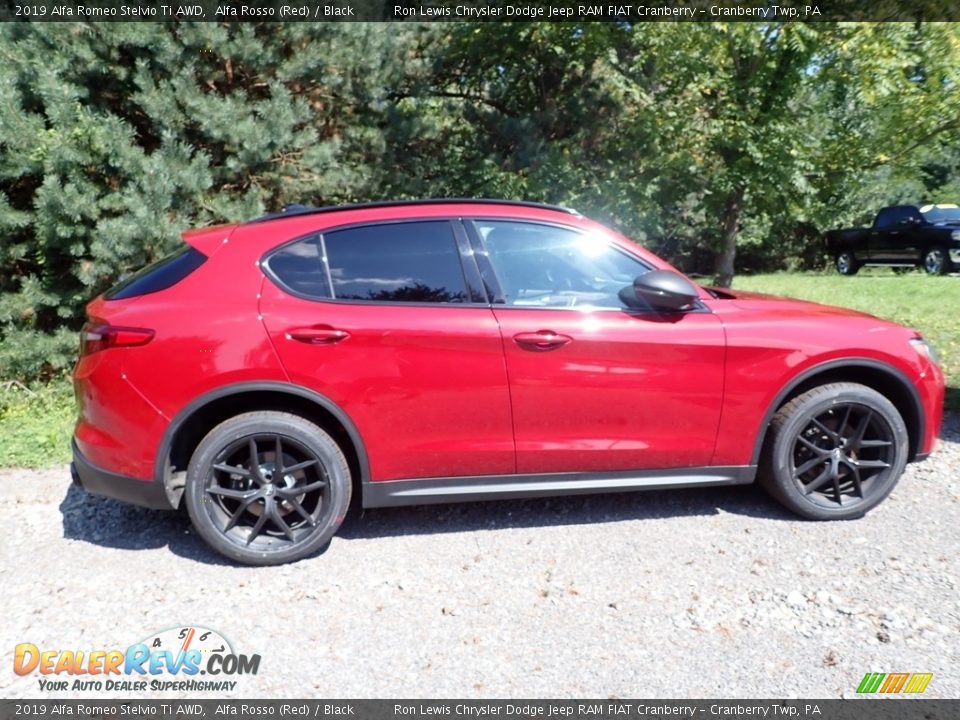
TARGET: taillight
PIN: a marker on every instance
(99, 336)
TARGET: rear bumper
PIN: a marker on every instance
(146, 493)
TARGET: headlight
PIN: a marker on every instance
(925, 348)
(955, 235)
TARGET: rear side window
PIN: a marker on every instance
(162, 274)
(411, 262)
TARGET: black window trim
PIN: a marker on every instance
(481, 258)
(476, 288)
(497, 292)
(453, 221)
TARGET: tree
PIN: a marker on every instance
(700, 140)
(114, 137)
(694, 137)
(890, 120)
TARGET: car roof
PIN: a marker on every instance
(299, 210)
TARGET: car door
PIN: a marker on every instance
(380, 318)
(908, 245)
(595, 386)
(886, 241)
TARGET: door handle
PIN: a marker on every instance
(541, 340)
(317, 335)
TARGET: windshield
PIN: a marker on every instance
(941, 214)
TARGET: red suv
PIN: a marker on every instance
(438, 351)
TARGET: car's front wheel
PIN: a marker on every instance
(265, 488)
(834, 452)
(847, 263)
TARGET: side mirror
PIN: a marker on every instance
(661, 289)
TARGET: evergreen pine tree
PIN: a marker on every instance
(114, 137)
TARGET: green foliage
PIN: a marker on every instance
(913, 299)
(721, 146)
(115, 137)
(35, 423)
(27, 353)
(698, 140)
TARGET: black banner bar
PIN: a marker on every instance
(598, 709)
(477, 11)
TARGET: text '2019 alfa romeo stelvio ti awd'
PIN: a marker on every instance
(439, 351)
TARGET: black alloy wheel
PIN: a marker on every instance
(840, 457)
(834, 452)
(267, 488)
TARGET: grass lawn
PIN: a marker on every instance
(929, 304)
(36, 422)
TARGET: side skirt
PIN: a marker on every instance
(890, 264)
(393, 493)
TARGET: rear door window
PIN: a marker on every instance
(886, 218)
(409, 262)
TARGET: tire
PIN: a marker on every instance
(847, 263)
(802, 469)
(245, 512)
(936, 261)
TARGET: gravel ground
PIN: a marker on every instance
(689, 593)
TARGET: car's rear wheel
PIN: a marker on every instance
(847, 263)
(265, 488)
(834, 452)
(936, 261)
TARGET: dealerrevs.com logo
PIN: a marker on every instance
(181, 659)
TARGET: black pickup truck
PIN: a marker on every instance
(901, 236)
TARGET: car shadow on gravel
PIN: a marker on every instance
(744, 500)
(113, 524)
(748, 500)
(117, 525)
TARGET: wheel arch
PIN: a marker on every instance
(196, 419)
(885, 379)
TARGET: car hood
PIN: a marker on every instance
(761, 302)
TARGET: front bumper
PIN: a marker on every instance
(146, 493)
